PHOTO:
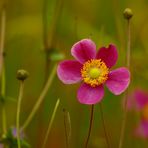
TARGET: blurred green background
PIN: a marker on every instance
(64, 22)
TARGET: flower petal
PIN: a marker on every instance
(118, 80)
(142, 129)
(84, 50)
(90, 95)
(141, 98)
(68, 71)
(108, 55)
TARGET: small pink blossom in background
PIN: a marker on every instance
(1, 146)
(139, 102)
(93, 70)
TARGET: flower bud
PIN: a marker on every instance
(22, 74)
(128, 13)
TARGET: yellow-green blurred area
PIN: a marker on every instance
(29, 23)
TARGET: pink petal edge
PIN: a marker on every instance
(118, 80)
(108, 55)
(68, 71)
(84, 50)
(90, 95)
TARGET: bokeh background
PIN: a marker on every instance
(61, 23)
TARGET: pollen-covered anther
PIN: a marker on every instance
(94, 72)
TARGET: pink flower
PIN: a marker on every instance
(93, 69)
(139, 102)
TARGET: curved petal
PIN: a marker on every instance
(118, 80)
(90, 95)
(84, 50)
(68, 71)
(141, 98)
(108, 55)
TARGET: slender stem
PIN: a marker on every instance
(3, 87)
(2, 69)
(18, 112)
(67, 127)
(40, 99)
(123, 125)
(50, 40)
(90, 125)
(45, 38)
(50, 123)
(2, 35)
(47, 64)
(104, 127)
(45, 24)
(4, 124)
(128, 43)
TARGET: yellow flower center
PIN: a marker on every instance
(145, 112)
(94, 72)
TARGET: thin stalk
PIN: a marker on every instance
(67, 127)
(2, 35)
(2, 70)
(18, 112)
(49, 41)
(90, 125)
(45, 24)
(123, 125)
(3, 87)
(128, 43)
(104, 126)
(41, 98)
(4, 120)
(45, 37)
(50, 123)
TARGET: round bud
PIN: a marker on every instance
(22, 74)
(128, 13)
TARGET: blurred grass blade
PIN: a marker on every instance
(41, 97)
(50, 123)
(67, 126)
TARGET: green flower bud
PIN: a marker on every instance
(22, 74)
(128, 13)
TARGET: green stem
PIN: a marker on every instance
(128, 43)
(104, 127)
(45, 24)
(18, 112)
(4, 124)
(50, 123)
(2, 35)
(90, 125)
(2, 70)
(123, 125)
(45, 38)
(3, 87)
(41, 98)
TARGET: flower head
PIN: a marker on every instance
(93, 69)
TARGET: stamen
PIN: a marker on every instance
(94, 72)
